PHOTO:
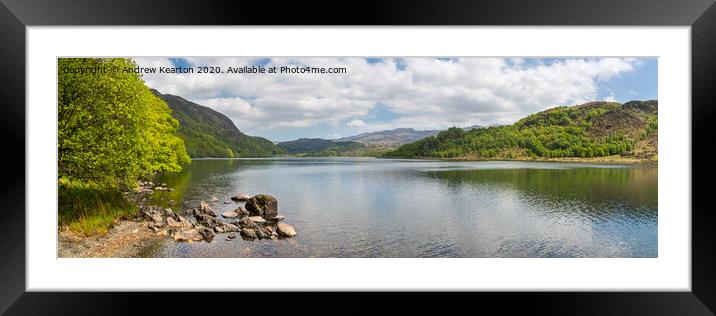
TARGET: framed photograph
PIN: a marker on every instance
(543, 151)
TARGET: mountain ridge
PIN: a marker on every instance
(208, 133)
(387, 138)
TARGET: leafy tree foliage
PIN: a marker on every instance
(111, 128)
(577, 131)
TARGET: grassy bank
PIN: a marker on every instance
(89, 209)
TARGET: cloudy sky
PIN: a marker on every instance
(385, 93)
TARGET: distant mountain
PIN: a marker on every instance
(366, 145)
(594, 129)
(471, 127)
(208, 133)
(319, 147)
(390, 138)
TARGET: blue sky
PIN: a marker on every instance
(386, 93)
(640, 84)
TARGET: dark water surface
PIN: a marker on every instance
(345, 207)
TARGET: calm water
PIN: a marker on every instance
(344, 207)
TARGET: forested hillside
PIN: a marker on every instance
(208, 133)
(319, 147)
(594, 129)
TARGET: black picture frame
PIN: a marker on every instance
(15, 15)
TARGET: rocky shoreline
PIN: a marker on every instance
(254, 218)
(257, 218)
(126, 239)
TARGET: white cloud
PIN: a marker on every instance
(610, 98)
(355, 123)
(428, 93)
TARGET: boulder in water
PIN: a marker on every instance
(285, 230)
(240, 197)
(229, 228)
(187, 235)
(230, 214)
(262, 205)
(207, 233)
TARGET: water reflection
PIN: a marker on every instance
(399, 208)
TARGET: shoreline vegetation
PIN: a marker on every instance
(115, 135)
(615, 159)
(111, 131)
(130, 234)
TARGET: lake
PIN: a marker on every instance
(365, 207)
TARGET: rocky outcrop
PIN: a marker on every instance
(258, 219)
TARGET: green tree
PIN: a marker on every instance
(111, 128)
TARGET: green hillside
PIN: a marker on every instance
(320, 147)
(208, 133)
(595, 129)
